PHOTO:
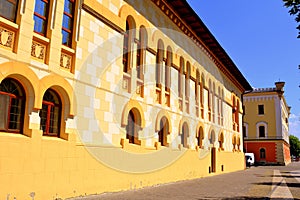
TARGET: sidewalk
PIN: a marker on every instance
(263, 182)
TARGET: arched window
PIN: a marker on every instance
(180, 83)
(141, 52)
(221, 141)
(159, 62)
(12, 106)
(184, 134)
(222, 110)
(212, 137)
(234, 110)
(202, 95)
(169, 61)
(9, 9)
(197, 86)
(213, 99)
(262, 153)
(245, 130)
(163, 131)
(129, 36)
(209, 100)
(219, 105)
(141, 60)
(168, 66)
(50, 114)
(200, 137)
(237, 119)
(187, 80)
(133, 126)
(261, 130)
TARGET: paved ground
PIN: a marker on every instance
(264, 182)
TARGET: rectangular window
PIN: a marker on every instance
(68, 22)
(8, 9)
(261, 109)
(41, 11)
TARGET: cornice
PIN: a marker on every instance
(180, 23)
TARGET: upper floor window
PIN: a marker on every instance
(261, 110)
(8, 9)
(50, 113)
(129, 36)
(168, 68)
(141, 52)
(187, 80)
(180, 73)
(262, 132)
(41, 11)
(159, 62)
(68, 22)
(12, 106)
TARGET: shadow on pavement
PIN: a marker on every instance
(242, 198)
(278, 183)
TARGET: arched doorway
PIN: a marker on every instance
(184, 134)
(221, 141)
(163, 131)
(200, 137)
(133, 126)
(212, 140)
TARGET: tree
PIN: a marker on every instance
(294, 145)
(294, 6)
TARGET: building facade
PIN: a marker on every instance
(266, 125)
(112, 95)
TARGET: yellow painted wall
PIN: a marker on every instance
(53, 167)
(88, 157)
(252, 117)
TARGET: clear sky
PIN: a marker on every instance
(261, 38)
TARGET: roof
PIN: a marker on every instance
(189, 16)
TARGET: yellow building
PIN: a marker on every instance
(266, 126)
(112, 95)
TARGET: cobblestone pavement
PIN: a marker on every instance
(263, 182)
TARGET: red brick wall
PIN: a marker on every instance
(287, 155)
(270, 147)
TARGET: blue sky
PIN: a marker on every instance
(261, 39)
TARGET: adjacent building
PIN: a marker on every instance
(266, 125)
(113, 95)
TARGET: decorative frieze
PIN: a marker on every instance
(66, 61)
(38, 50)
(7, 38)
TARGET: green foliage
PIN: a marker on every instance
(294, 145)
(294, 6)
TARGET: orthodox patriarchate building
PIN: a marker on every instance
(266, 125)
(110, 95)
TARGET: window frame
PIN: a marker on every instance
(262, 153)
(16, 7)
(71, 29)
(21, 111)
(44, 18)
(261, 109)
(50, 105)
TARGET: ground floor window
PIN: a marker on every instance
(12, 105)
(262, 153)
(50, 113)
